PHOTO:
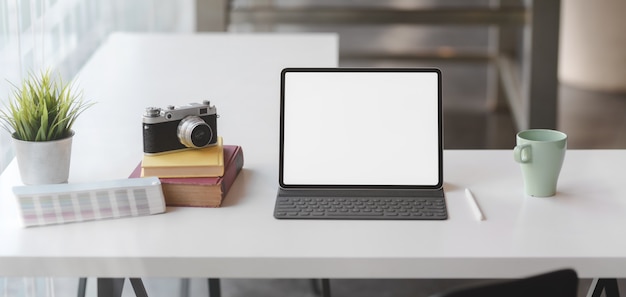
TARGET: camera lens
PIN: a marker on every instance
(194, 132)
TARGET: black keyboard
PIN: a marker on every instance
(368, 208)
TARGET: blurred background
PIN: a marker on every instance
(591, 90)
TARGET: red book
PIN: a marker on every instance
(202, 191)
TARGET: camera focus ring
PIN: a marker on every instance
(194, 132)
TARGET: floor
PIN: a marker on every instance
(592, 120)
(170, 287)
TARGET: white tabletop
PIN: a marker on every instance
(578, 228)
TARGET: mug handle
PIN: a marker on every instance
(521, 153)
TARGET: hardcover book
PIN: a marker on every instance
(203, 162)
(202, 191)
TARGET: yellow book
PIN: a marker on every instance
(203, 162)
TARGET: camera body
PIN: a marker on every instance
(176, 128)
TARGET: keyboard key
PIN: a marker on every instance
(360, 214)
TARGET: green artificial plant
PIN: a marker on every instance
(42, 109)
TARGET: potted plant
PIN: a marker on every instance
(39, 116)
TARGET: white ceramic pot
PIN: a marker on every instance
(44, 162)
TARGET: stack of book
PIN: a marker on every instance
(195, 177)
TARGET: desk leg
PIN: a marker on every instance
(138, 287)
(184, 287)
(325, 287)
(608, 285)
(324, 290)
(82, 286)
(110, 287)
(214, 287)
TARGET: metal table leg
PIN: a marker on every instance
(608, 285)
(214, 287)
(110, 287)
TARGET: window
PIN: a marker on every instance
(62, 34)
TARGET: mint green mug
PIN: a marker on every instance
(540, 153)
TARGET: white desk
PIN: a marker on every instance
(581, 227)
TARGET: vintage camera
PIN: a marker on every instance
(179, 127)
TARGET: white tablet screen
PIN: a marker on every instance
(355, 127)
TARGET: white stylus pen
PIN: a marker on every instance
(474, 205)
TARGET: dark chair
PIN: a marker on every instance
(561, 283)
